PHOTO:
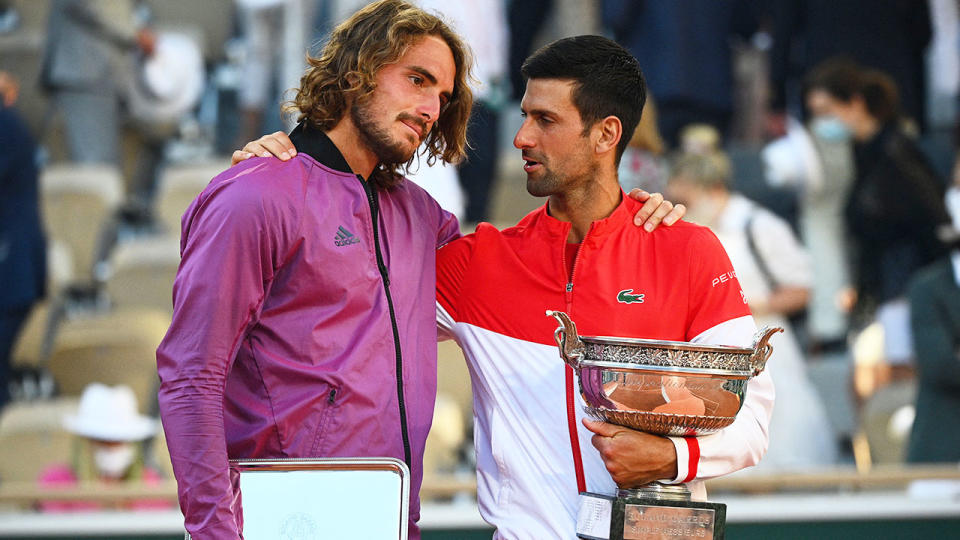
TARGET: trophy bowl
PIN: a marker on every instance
(661, 387)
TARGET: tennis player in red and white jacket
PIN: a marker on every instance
(581, 254)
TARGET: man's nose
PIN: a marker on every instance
(429, 108)
(522, 139)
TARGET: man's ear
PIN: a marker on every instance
(610, 130)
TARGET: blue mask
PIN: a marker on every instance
(830, 128)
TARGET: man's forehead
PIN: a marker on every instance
(548, 94)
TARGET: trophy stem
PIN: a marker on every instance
(657, 491)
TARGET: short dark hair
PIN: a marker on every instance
(844, 79)
(838, 76)
(607, 79)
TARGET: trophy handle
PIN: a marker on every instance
(762, 348)
(571, 348)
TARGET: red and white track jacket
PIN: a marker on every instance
(493, 287)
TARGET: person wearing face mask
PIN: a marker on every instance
(110, 433)
(895, 204)
(775, 273)
(816, 160)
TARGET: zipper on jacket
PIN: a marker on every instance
(568, 292)
(375, 216)
(569, 384)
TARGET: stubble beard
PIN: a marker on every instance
(389, 151)
(545, 186)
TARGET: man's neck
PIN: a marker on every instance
(347, 138)
(581, 207)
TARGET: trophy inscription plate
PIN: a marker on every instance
(649, 521)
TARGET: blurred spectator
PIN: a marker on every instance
(483, 25)
(817, 161)
(642, 164)
(81, 72)
(109, 431)
(774, 271)
(525, 19)
(935, 319)
(684, 48)
(276, 38)
(889, 35)
(23, 260)
(896, 203)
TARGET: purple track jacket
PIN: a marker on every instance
(304, 326)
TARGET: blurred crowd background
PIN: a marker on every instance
(817, 138)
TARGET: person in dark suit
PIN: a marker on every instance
(684, 48)
(935, 319)
(889, 35)
(22, 243)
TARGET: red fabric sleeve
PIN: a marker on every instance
(715, 292)
(453, 260)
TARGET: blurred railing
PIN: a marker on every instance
(845, 479)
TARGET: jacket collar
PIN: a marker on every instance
(622, 216)
(316, 144)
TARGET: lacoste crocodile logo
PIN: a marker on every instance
(626, 297)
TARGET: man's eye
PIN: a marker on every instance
(416, 80)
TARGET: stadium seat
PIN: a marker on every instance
(179, 185)
(32, 438)
(113, 348)
(142, 271)
(77, 201)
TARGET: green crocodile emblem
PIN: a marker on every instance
(625, 297)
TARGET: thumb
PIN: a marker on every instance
(601, 428)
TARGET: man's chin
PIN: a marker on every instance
(535, 188)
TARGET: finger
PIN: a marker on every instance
(654, 220)
(278, 147)
(255, 148)
(603, 429)
(238, 156)
(675, 215)
(653, 202)
(638, 194)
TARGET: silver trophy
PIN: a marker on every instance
(664, 388)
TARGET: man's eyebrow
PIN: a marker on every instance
(537, 112)
(425, 72)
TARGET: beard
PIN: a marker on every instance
(390, 151)
(545, 186)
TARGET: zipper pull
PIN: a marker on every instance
(570, 287)
(332, 397)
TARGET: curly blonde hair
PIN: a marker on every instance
(345, 71)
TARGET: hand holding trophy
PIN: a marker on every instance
(664, 388)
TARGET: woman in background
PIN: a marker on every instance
(107, 449)
(775, 273)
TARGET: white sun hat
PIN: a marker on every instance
(166, 85)
(110, 414)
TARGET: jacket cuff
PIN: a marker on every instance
(221, 530)
(688, 459)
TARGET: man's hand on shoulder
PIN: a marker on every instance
(275, 144)
(655, 210)
(633, 458)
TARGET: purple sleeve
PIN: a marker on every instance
(234, 236)
(448, 230)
